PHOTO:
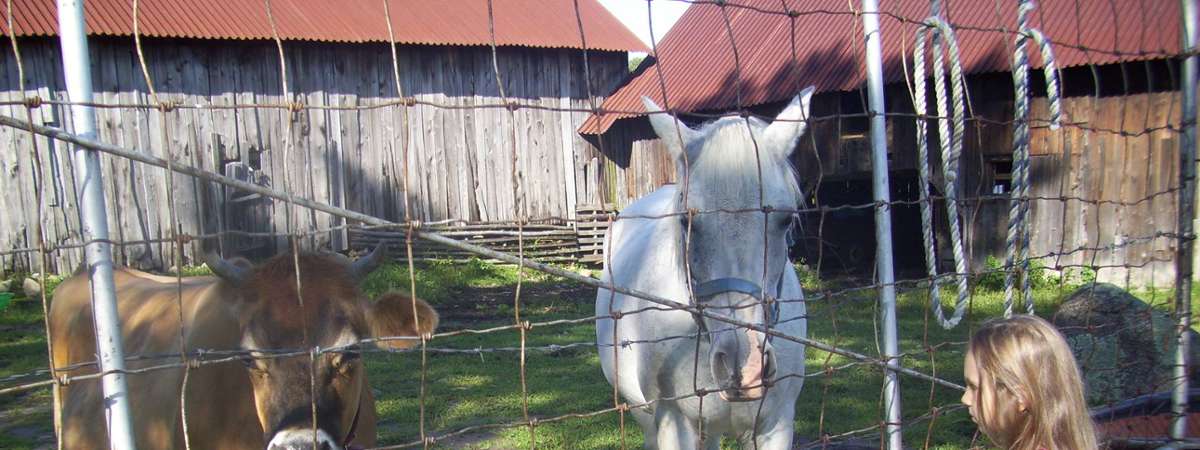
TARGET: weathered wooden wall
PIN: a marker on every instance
(1103, 186)
(460, 158)
(1107, 186)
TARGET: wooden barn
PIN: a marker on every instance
(1103, 186)
(460, 117)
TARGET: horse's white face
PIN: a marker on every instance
(736, 244)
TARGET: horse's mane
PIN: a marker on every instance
(735, 163)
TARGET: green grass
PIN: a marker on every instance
(23, 416)
(468, 390)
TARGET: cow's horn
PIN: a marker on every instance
(228, 271)
(367, 264)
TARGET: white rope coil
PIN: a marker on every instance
(1017, 241)
(951, 147)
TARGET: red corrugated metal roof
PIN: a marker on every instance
(526, 23)
(821, 44)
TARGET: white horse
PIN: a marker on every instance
(655, 357)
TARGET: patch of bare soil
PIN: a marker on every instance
(473, 306)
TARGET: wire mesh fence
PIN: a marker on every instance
(1079, 169)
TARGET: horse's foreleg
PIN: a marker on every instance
(675, 431)
(773, 435)
(645, 420)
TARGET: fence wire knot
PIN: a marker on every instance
(168, 105)
(33, 102)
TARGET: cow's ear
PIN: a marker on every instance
(392, 315)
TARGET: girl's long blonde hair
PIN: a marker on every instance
(1025, 360)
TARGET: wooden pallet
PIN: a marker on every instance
(591, 224)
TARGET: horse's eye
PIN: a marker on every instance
(689, 223)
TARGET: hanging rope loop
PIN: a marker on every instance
(951, 142)
(1017, 241)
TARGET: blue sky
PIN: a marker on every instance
(633, 14)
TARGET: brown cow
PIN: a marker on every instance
(264, 403)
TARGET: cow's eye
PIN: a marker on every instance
(343, 361)
(254, 365)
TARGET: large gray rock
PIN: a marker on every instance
(31, 288)
(1125, 347)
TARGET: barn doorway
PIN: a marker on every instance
(843, 243)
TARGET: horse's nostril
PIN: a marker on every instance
(326, 446)
(769, 366)
(722, 366)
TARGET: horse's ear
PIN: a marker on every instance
(790, 124)
(669, 129)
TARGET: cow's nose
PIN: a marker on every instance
(305, 446)
(295, 439)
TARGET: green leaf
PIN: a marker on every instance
(5, 299)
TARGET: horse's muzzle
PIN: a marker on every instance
(743, 368)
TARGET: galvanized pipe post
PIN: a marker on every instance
(98, 252)
(883, 222)
(1186, 228)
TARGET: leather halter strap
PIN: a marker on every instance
(353, 433)
(722, 285)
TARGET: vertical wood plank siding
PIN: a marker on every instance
(1103, 188)
(459, 157)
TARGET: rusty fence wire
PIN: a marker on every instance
(1135, 124)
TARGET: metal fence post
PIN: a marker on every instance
(883, 221)
(1187, 213)
(98, 252)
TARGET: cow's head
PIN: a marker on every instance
(330, 311)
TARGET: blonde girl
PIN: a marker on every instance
(1024, 389)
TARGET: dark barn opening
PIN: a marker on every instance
(841, 241)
